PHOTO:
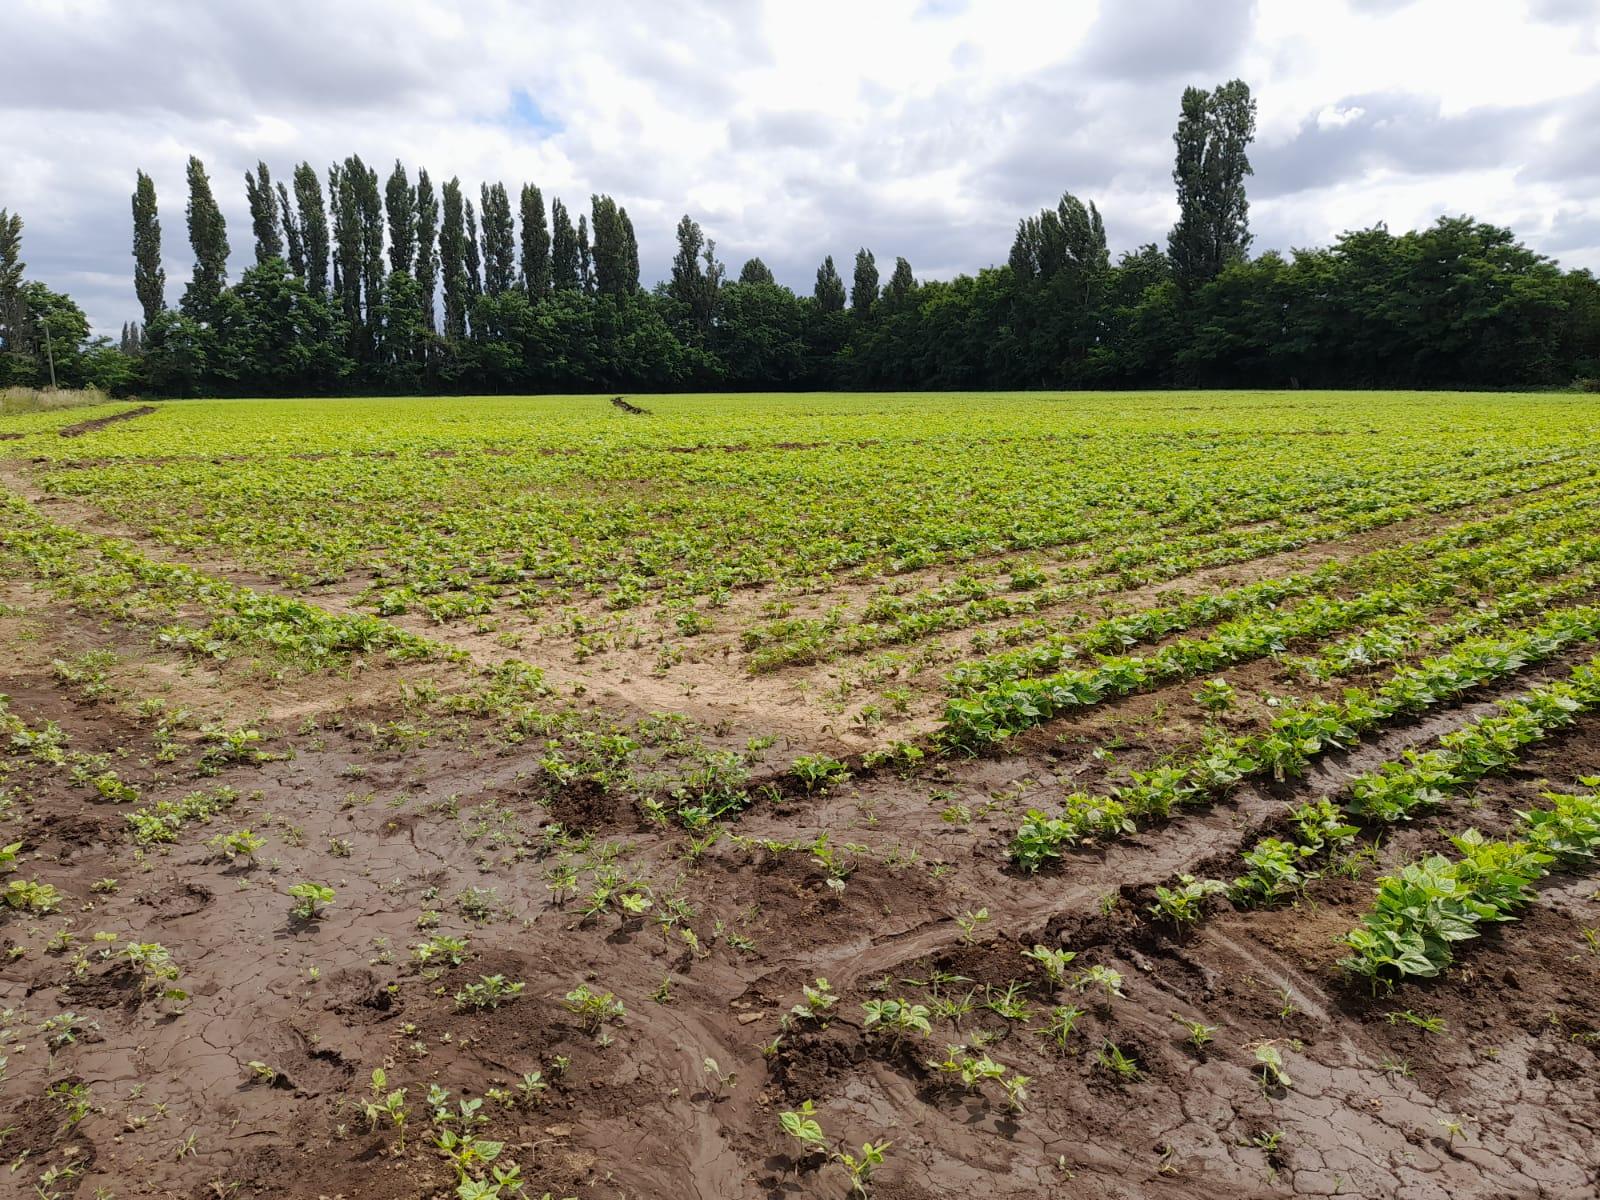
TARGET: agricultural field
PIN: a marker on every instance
(1069, 795)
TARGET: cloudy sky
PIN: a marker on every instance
(795, 128)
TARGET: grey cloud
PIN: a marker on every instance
(1395, 131)
(786, 129)
(1572, 230)
(1054, 138)
(1562, 12)
(1572, 155)
(203, 61)
(1166, 39)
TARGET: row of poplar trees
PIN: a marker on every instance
(353, 276)
(361, 283)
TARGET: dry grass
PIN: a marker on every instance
(25, 399)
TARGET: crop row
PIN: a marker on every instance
(1010, 707)
(1129, 561)
(1296, 736)
(111, 577)
(1422, 911)
(1469, 548)
(1420, 781)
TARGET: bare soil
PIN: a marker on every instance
(83, 427)
(177, 1111)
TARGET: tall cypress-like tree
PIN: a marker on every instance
(369, 207)
(294, 243)
(13, 312)
(401, 202)
(1068, 238)
(898, 291)
(1214, 132)
(474, 261)
(427, 209)
(263, 213)
(208, 235)
(346, 210)
(616, 250)
(499, 240)
(535, 245)
(149, 278)
(829, 291)
(453, 262)
(630, 253)
(685, 282)
(564, 259)
(585, 257)
(756, 271)
(864, 289)
(313, 227)
(696, 273)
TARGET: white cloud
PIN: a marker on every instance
(917, 127)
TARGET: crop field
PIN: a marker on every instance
(1069, 795)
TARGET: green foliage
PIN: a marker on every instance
(31, 896)
(311, 899)
(895, 1019)
(1422, 911)
(1183, 904)
(491, 991)
(594, 1008)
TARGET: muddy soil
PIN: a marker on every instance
(111, 1086)
(83, 427)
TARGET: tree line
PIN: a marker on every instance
(361, 283)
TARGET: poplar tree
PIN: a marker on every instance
(897, 293)
(427, 227)
(585, 258)
(401, 202)
(474, 262)
(829, 291)
(369, 208)
(263, 213)
(499, 240)
(346, 210)
(696, 274)
(208, 236)
(564, 258)
(13, 313)
(605, 230)
(1214, 131)
(149, 278)
(630, 253)
(453, 262)
(756, 271)
(535, 245)
(864, 289)
(313, 221)
(295, 249)
(685, 282)
(1068, 238)
(616, 250)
